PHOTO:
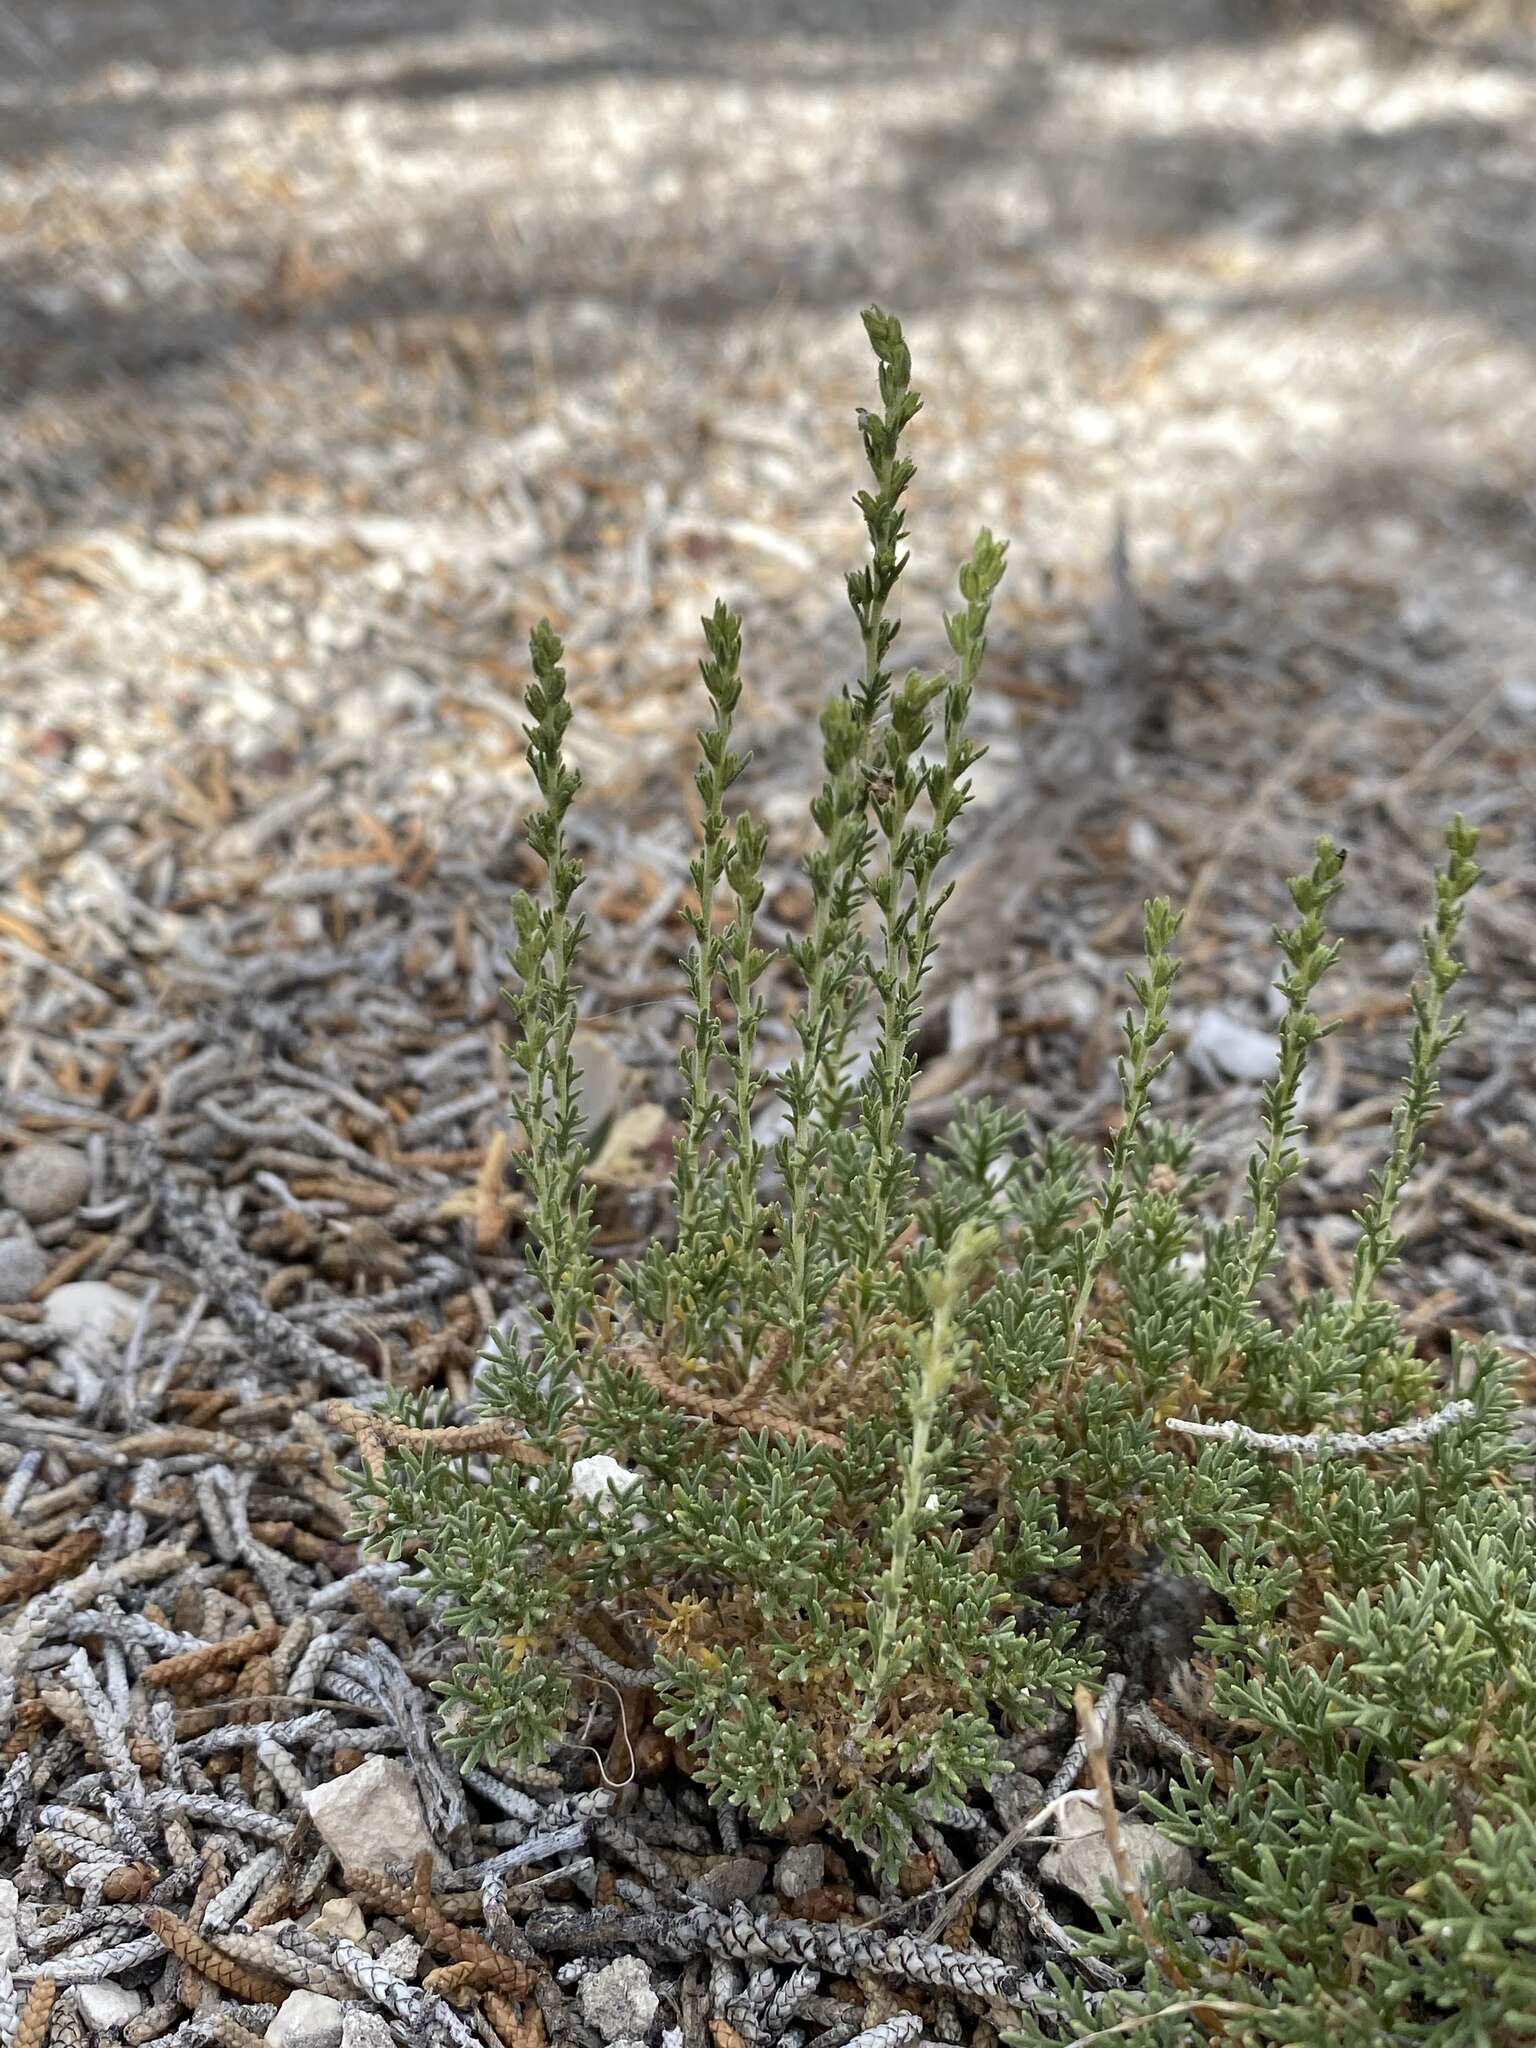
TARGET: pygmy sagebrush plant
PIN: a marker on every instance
(830, 1473)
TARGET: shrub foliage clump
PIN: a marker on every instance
(828, 1479)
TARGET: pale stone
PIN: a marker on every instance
(23, 1263)
(372, 1819)
(619, 2000)
(46, 1181)
(1222, 1046)
(10, 1932)
(800, 1870)
(1083, 1865)
(343, 1917)
(402, 1958)
(738, 1877)
(90, 1314)
(306, 2019)
(361, 2027)
(107, 2005)
(602, 1479)
(1141, 841)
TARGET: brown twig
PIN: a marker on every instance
(192, 1949)
(232, 1652)
(716, 1408)
(415, 1906)
(376, 1434)
(62, 1561)
(765, 1373)
(32, 2026)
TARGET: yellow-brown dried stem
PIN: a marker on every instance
(225, 1656)
(62, 1561)
(1091, 1729)
(376, 1434)
(32, 2026)
(419, 1911)
(717, 1408)
(514, 2026)
(196, 1953)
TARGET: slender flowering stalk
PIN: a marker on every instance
(1138, 1069)
(1308, 956)
(1433, 1035)
(549, 938)
(745, 964)
(696, 1176)
(832, 959)
(904, 891)
(940, 1355)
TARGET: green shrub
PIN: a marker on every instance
(832, 1470)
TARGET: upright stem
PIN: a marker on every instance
(832, 959)
(549, 940)
(717, 770)
(745, 963)
(912, 859)
(1139, 1067)
(1433, 1034)
(1308, 957)
(939, 1354)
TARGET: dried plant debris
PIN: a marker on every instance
(196, 1669)
(186, 1718)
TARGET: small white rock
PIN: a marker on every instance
(107, 2005)
(361, 2027)
(973, 1016)
(1141, 841)
(46, 1181)
(90, 1314)
(800, 1870)
(1083, 1865)
(306, 2017)
(1223, 1046)
(23, 1263)
(402, 1958)
(619, 2000)
(343, 1917)
(372, 1818)
(10, 1932)
(602, 1479)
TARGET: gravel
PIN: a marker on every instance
(45, 1182)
